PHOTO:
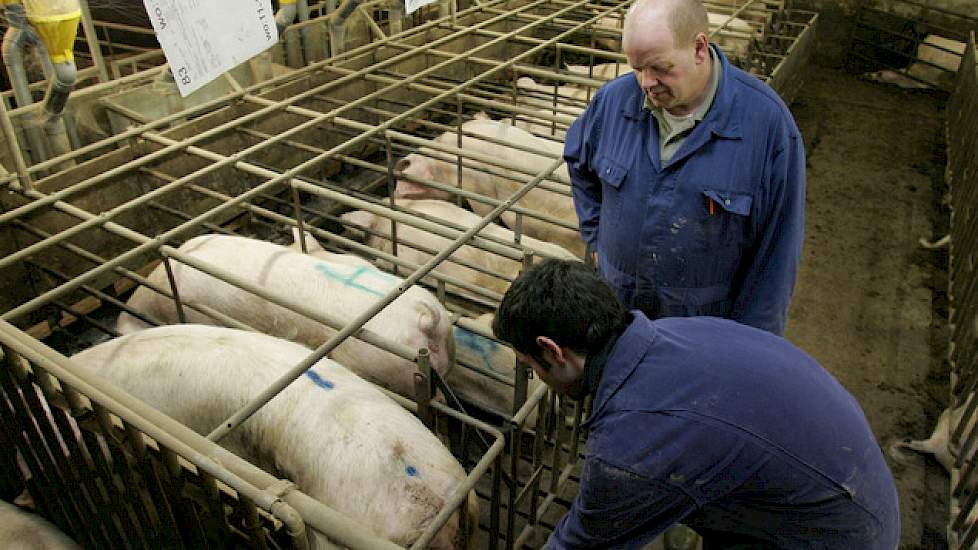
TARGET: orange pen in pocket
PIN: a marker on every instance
(710, 205)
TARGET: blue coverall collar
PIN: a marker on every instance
(625, 356)
(723, 118)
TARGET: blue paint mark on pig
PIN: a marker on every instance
(481, 346)
(411, 471)
(319, 380)
(355, 277)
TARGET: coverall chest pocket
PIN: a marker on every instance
(613, 191)
(724, 220)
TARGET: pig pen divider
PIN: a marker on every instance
(962, 178)
(358, 322)
(87, 395)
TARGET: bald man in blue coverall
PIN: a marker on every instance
(688, 177)
(728, 429)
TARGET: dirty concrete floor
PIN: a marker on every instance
(870, 303)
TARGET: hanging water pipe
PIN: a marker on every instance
(49, 26)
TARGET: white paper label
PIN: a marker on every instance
(204, 38)
(410, 6)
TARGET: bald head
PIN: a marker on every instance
(685, 18)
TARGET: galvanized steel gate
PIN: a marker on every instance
(962, 176)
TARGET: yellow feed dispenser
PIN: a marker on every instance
(56, 23)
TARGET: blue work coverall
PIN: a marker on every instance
(718, 230)
(727, 429)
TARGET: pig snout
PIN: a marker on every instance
(417, 166)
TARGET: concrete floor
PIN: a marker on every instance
(870, 304)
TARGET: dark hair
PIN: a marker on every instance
(563, 300)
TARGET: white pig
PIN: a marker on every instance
(415, 319)
(486, 392)
(541, 200)
(339, 439)
(408, 238)
(23, 530)
(929, 53)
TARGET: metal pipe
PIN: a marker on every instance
(395, 16)
(241, 121)
(282, 382)
(283, 18)
(45, 200)
(337, 25)
(304, 309)
(302, 7)
(55, 99)
(139, 279)
(378, 32)
(346, 243)
(276, 80)
(13, 144)
(408, 219)
(461, 493)
(334, 49)
(231, 470)
(453, 151)
(18, 39)
(91, 38)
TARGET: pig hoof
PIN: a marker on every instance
(896, 451)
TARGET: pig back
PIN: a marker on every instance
(337, 437)
(341, 290)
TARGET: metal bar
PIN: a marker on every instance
(304, 309)
(460, 493)
(235, 158)
(178, 304)
(245, 412)
(139, 279)
(13, 145)
(293, 99)
(91, 39)
(219, 463)
(414, 221)
(346, 243)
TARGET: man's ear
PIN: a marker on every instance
(701, 47)
(548, 346)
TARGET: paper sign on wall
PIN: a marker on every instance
(410, 6)
(204, 38)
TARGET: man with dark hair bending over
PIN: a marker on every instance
(728, 429)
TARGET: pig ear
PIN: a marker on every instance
(481, 115)
(312, 245)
